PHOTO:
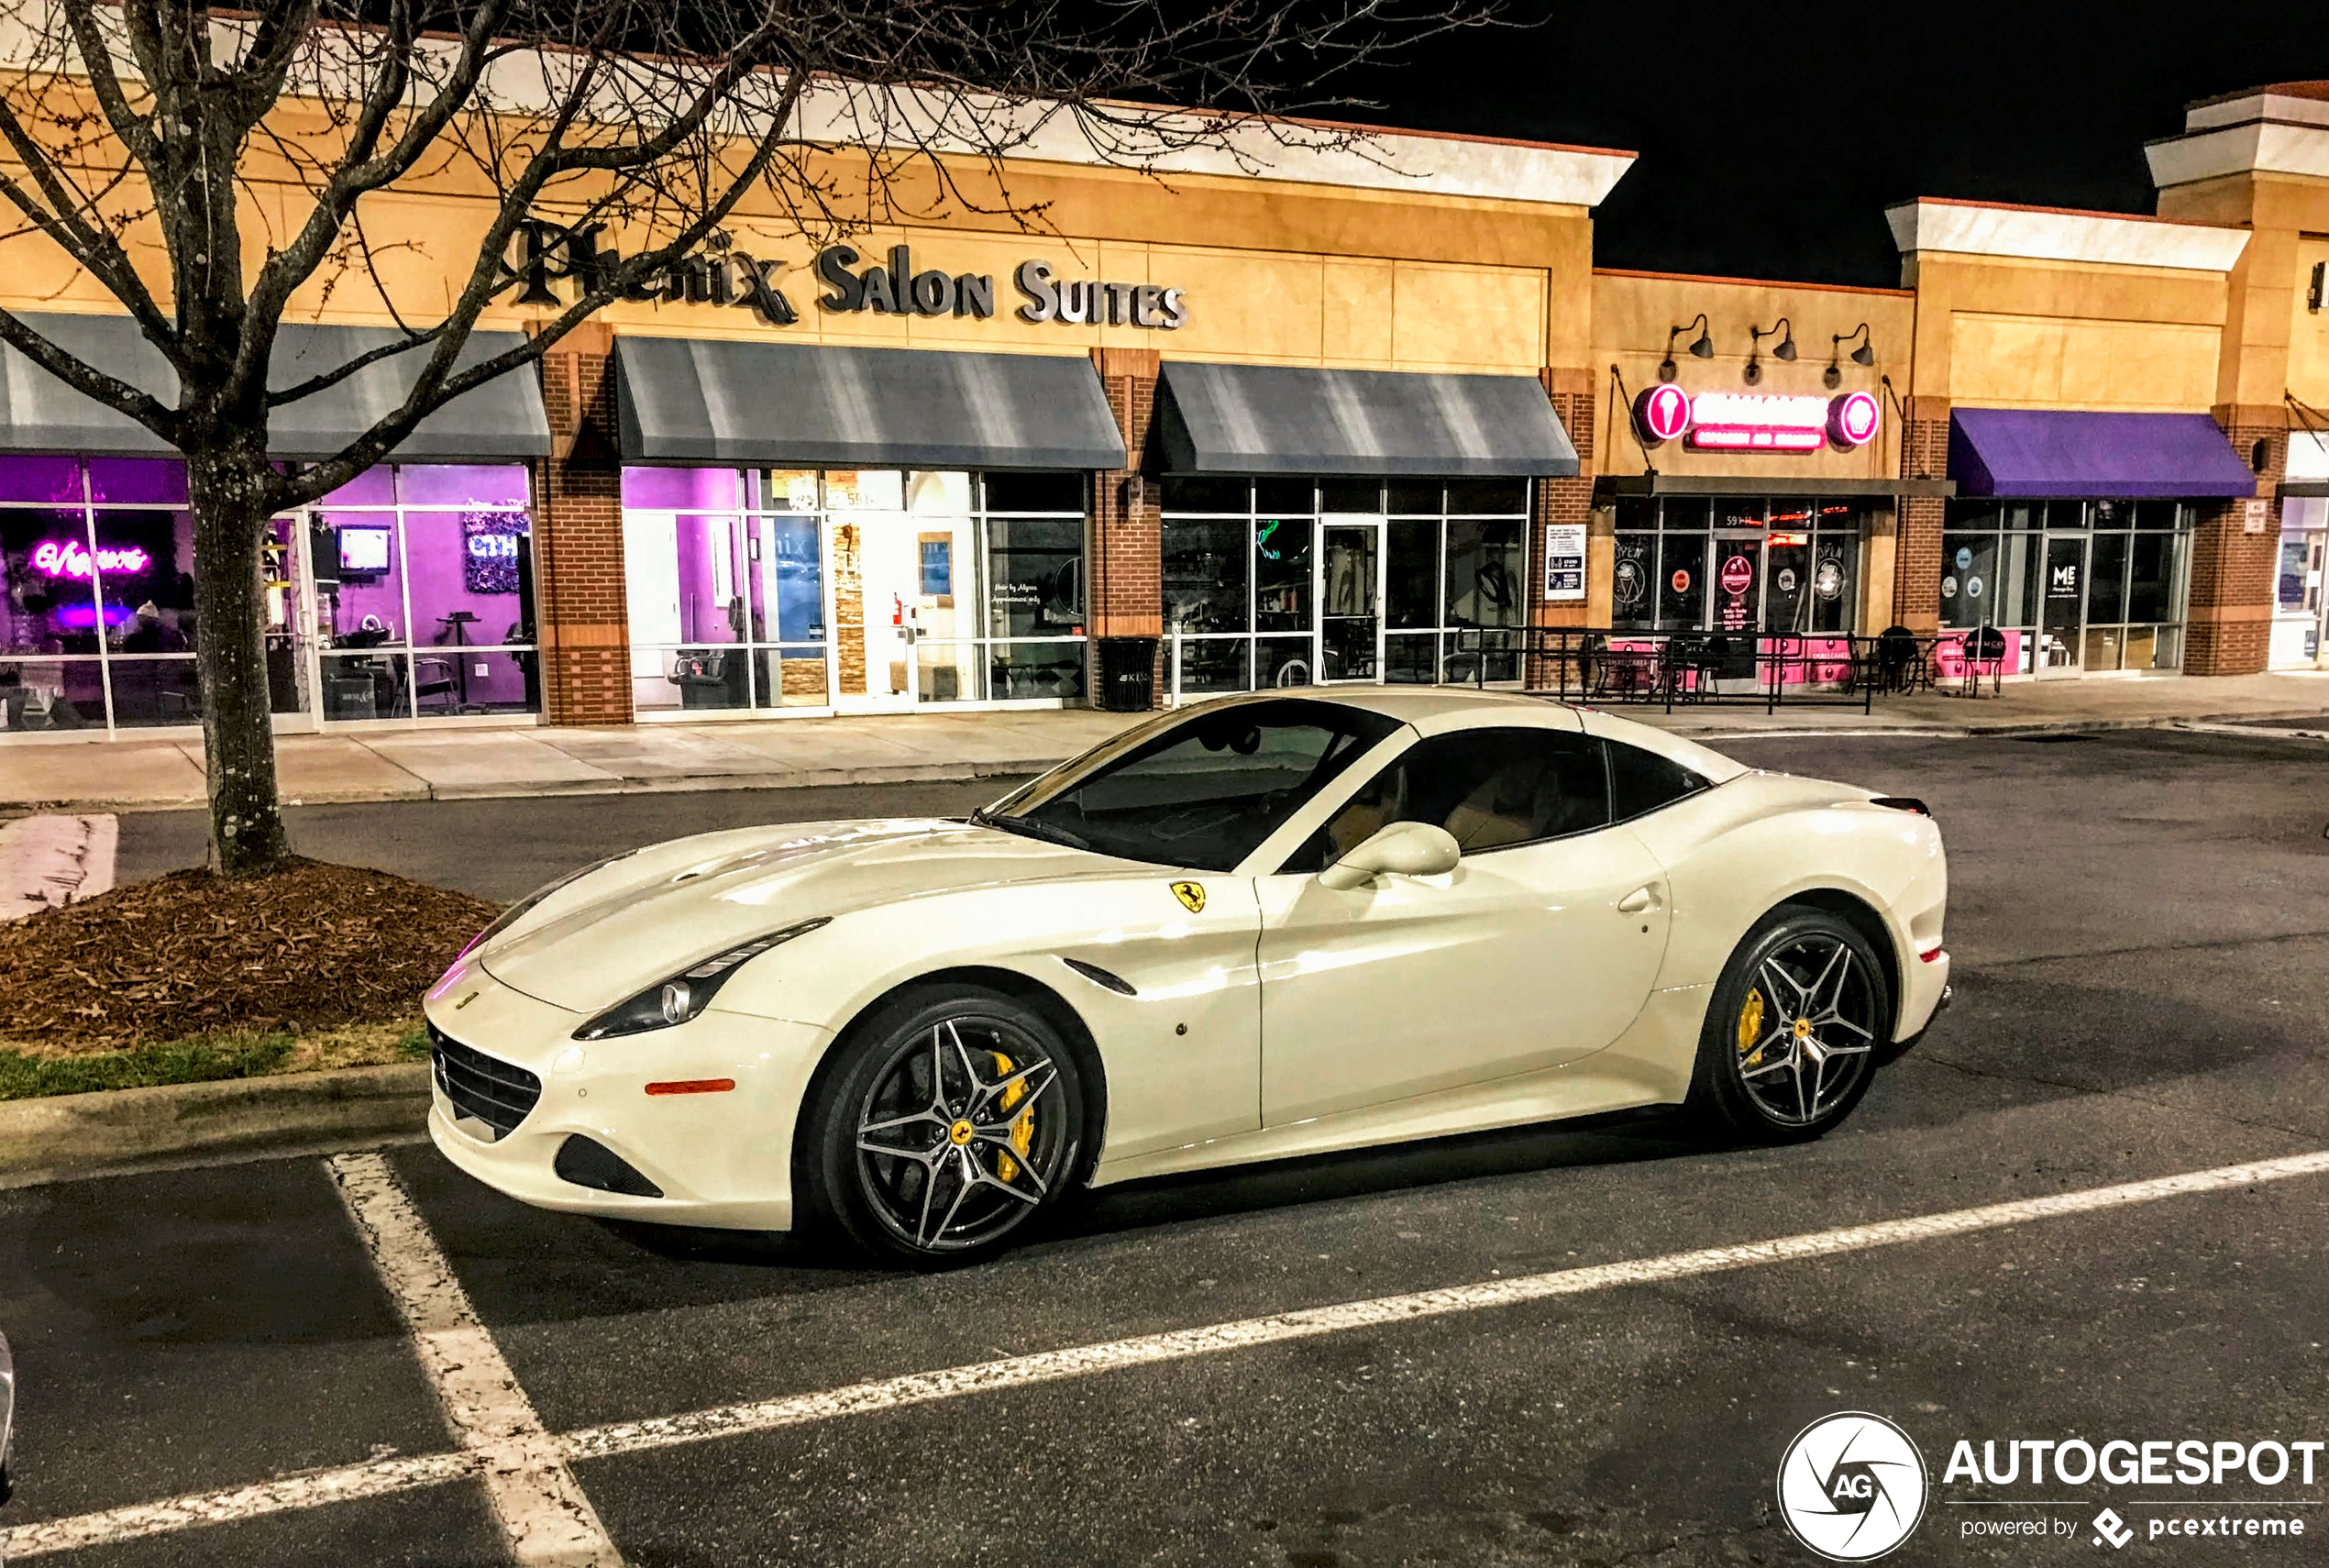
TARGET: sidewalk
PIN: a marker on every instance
(446, 765)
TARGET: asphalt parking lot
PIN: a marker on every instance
(2140, 927)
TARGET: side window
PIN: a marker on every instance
(1490, 788)
(1643, 781)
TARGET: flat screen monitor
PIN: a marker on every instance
(364, 549)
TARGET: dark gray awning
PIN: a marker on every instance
(682, 400)
(1279, 419)
(502, 421)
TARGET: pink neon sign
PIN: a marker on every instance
(1756, 422)
(70, 558)
(1663, 412)
(1852, 418)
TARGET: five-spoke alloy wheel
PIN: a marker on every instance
(947, 1122)
(1795, 1028)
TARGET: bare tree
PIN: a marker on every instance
(132, 129)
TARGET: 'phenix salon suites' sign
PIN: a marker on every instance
(543, 253)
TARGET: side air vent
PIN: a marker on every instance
(1100, 976)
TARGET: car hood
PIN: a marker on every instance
(608, 936)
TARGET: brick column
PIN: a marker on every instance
(1126, 598)
(1917, 524)
(579, 614)
(2228, 621)
(1568, 500)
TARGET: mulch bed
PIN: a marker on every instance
(311, 946)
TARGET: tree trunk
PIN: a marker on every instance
(228, 493)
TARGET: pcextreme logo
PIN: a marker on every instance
(1851, 1487)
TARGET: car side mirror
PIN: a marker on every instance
(1403, 849)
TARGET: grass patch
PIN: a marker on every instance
(30, 1072)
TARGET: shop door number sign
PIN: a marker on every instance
(1762, 422)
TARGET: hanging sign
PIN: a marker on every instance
(1564, 562)
(1755, 422)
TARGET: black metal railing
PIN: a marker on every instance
(1681, 669)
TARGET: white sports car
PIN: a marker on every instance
(1267, 926)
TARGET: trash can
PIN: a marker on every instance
(1128, 674)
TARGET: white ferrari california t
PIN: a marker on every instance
(1266, 926)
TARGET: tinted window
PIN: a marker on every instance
(1202, 793)
(1490, 788)
(1641, 781)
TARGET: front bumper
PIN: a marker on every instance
(721, 1159)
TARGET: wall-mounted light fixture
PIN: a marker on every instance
(1865, 355)
(1703, 349)
(1782, 329)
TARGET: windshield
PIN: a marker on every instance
(1203, 791)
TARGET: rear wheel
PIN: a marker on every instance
(952, 1117)
(1793, 1028)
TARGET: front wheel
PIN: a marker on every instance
(1793, 1029)
(950, 1119)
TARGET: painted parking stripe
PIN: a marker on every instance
(633, 1437)
(286, 1496)
(540, 1505)
(1019, 1371)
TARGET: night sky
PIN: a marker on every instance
(1773, 135)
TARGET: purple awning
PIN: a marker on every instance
(2044, 451)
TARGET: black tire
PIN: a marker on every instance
(936, 1178)
(1777, 1066)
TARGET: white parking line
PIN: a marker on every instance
(286, 1496)
(422, 1263)
(1019, 1371)
(541, 1509)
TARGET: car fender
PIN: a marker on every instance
(1737, 852)
(1180, 1056)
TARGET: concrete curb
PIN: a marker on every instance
(79, 1134)
(791, 779)
(2008, 729)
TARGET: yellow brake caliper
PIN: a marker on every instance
(1750, 1028)
(1023, 1131)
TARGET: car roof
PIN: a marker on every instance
(1434, 710)
(1415, 704)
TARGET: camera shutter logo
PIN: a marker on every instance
(1851, 1487)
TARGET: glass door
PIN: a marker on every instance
(2061, 628)
(889, 579)
(1351, 600)
(1735, 613)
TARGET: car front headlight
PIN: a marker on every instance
(518, 910)
(689, 992)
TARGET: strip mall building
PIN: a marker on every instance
(1361, 417)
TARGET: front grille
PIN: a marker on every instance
(499, 1094)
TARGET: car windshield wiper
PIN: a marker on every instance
(1029, 827)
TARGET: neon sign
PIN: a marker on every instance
(1755, 422)
(70, 558)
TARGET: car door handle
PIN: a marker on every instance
(1638, 901)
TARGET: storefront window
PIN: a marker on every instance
(2298, 583)
(777, 587)
(2075, 586)
(423, 583)
(1286, 581)
(1742, 565)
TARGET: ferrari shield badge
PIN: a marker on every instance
(1191, 894)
